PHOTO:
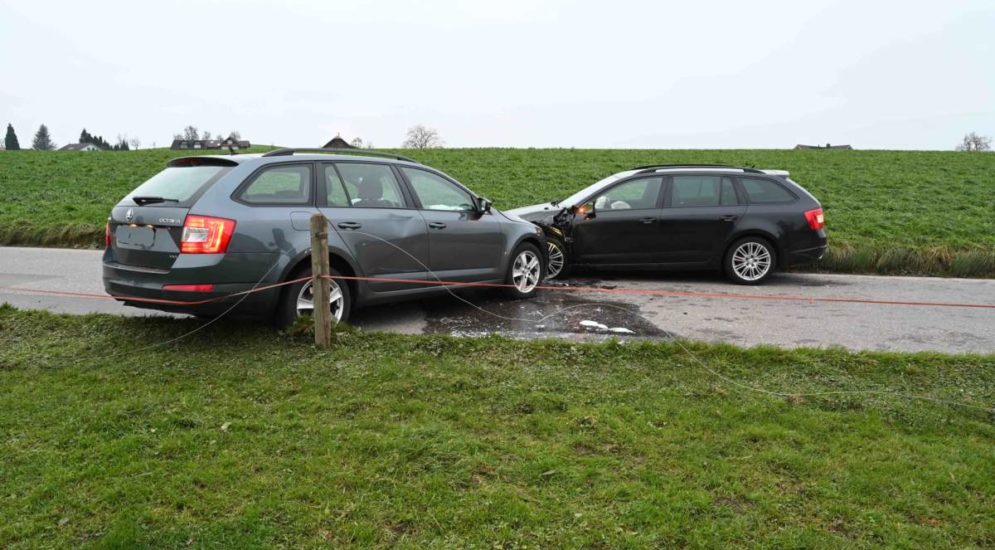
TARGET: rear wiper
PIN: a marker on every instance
(142, 201)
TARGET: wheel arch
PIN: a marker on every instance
(337, 260)
(765, 235)
(535, 241)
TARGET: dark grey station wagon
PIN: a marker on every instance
(210, 226)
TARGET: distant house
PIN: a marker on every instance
(338, 143)
(184, 144)
(235, 144)
(801, 147)
(80, 147)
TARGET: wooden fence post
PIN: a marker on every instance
(319, 282)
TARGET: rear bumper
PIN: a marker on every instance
(143, 289)
(255, 304)
(806, 255)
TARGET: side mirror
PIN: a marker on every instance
(483, 205)
(586, 210)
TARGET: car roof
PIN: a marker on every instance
(307, 157)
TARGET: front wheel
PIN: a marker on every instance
(750, 261)
(297, 300)
(557, 264)
(524, 272)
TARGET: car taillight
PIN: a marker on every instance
(190, 288)
(815, 219)
(206, 235)
(107, 234)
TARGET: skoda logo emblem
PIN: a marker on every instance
(130, 214)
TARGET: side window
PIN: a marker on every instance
(765, 191)
(692, 191)
(287, 184)
(436, 193)
(729, 197)
(637, 194)
(334, 190)
(371, 185)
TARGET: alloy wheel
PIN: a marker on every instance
(751, 261)
(305, 300)
(555, 259)
(525, 273)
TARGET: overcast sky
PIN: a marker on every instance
(513, 73)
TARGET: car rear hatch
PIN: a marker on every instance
(145, 228)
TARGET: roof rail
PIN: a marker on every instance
(655, 166)
(287, 151)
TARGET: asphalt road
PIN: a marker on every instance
(591, 315)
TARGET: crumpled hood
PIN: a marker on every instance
(536, 211)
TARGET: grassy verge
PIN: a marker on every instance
(241, 437)
(896, 212)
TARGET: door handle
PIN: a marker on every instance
(729, 218)
(350, 225)
(437, 225)
(647, 220)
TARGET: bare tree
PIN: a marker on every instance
(234, 134)
(357, 142)
(422, 137)
(975, 142)
(190, 133)
(206, 136)
(135, 143)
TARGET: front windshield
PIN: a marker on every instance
(574, 200)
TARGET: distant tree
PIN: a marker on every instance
(10, 142)
(85, 137)
(206, 136)
(422, 137)
(369, 145)
(357, 142)
(135, 143)
(190, 133)
(122, 143)
(974, 142)
(234, 134)
(219, 137)
(42, 141)
(177, 136)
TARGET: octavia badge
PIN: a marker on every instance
(129, 215)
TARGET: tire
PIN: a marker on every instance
(557, 263)
(525, 272)
(287, 310)
(750, 261)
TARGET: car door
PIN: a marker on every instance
(464, 244)
(624, 228)
(700, 212)
(369, 210)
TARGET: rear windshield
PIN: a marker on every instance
(178, 184)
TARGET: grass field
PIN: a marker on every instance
(239, 437)
(888, 212)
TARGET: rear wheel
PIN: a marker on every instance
(750, 261)
(297, 300)
(525, 272)
(557, 264)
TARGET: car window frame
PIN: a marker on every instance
(659, 198)
(668, 203)
(251, 178)
(746, 194)
(323, 185)
(401, 184)
(474, 198)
